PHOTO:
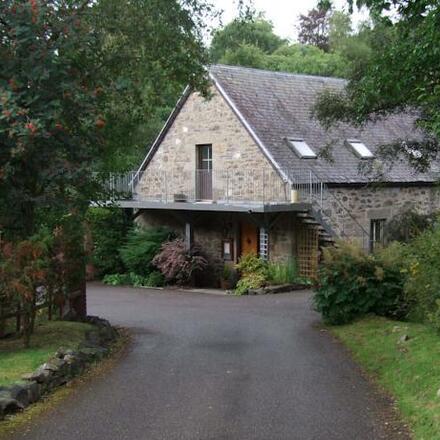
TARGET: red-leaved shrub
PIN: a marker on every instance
(177, 264)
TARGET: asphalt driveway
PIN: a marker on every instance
(205, 367)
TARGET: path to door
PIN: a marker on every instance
(205, 367)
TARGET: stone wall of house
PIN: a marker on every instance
(282, 238)
(368, 203)
(209, 229)
(241, 172)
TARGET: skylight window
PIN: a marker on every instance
(361, 150)
(301, 148)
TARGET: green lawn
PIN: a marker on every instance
(409, 370)
(48, 337)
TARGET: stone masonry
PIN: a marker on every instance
(241, 172)
(375, 202)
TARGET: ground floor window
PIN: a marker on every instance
(377, 233)
(228, 250)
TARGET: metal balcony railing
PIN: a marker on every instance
(240, 186)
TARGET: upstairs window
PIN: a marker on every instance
(302, 150)
(360, 149)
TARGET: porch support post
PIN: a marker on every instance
(236, 240)
(189, 235)
(264, 243)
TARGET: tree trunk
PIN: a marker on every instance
(27, 328)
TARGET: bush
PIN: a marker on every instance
(179, 265)
(117, 279)
(422, 287)
(108, 228)
(141, 246)
(154, 279)
(253, 273)
(407, 225)
(352, 283)
(251, 263)
(283, 272)
(250, 281)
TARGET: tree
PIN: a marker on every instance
(77, 78)
(340, 29)
(245, 55)
(248, 31)
(150, 50)
(299, 58)
(50, 121)
(401, 74)
(314, 27)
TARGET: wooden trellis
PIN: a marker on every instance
(308, 251)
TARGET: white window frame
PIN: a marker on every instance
(298, 145)
(360, 149)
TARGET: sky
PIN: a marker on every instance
(283, 13)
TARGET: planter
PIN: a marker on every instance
(226, 284)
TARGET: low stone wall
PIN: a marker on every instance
(58, 370)
(282, 288)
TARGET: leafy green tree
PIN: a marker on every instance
(401, 73)
(340, 29)
(240, 43)
(150, 50)
(252, 31)
(107, 229)
(78, 78)
(50, 121)
(245, 55)
(299, 58)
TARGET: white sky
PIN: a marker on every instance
(283, 13)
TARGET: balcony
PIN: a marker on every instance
(248, 188)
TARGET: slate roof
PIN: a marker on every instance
(278, 105)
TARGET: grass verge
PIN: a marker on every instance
(15, 360)
(23, 422)
(409, 370)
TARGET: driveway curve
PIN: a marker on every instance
(205, 367)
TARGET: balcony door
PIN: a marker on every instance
(204, 172)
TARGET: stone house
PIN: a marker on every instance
(242, 171)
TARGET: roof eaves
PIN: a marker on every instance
(248, 127)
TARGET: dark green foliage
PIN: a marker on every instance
(178, 264)
(84, 85)
(49, 110)
(154, 279)
(400, 72)
(150, 50)
(141, 246)
(250, 42)
(352, 283)
(250, 31)
(422, 286)
(407, 225)
(108, 228)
